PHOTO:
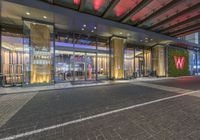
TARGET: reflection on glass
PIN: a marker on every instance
(12, 58)
(129, 62)
(198, 63)
(193, 63)
(91, 66)
(63, 65)
(103, 58)
(84, 42)
(139, 63)
(79, 66)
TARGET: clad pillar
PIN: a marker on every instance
(117, 45)
(41, 53)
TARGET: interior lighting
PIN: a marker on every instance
(27, 13)
(97, 4)
(44, 17)
(76, 2)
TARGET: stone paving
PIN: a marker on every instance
(11, 104)
(173, 119)
(176, 119)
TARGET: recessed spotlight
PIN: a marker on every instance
(140, 40)
(84, 25)
(146, 37)
(44, 17)
(27, 13)
(95, 27)
(120, 33)
(151, 39)
(92, 31)
(82, 29)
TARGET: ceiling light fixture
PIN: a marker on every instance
(82, 29)
(27, 13)
(95, 27)
(84, 25)
(92, 31)
(44, 17)
(120, 33)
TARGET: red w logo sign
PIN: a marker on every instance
(179, 61)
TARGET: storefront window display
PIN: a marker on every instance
(129, 62)
(103, 60)
(76, 57)
(12, 58)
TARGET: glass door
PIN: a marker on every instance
(91, 66)
(79, 66)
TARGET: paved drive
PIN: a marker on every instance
(177, 117)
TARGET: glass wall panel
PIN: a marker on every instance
(129, 62)
(64, 65)
(103, 59)
(193, 63)
(91, 66)
(12, 58)
(80, 66)
(198, 62)
(139, 62)
(85, 42)
(39, 68)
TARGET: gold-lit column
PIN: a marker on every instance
(40, 58)
(117, 45)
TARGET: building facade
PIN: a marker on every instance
(38, 52)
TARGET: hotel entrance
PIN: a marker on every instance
(84, 66)
(77, 58)
(137, 62)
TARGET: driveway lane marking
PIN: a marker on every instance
(95, 116)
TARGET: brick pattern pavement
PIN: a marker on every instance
(11, 104)
(162, 87)
(176, 119)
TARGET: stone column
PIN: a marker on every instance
(117, 67)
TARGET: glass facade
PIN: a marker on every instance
(79, 57)
(12, 58)
(38, 54)
(194, 62)
(138, 62)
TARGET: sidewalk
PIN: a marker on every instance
(11, 90)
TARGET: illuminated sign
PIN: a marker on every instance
(179, 62)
